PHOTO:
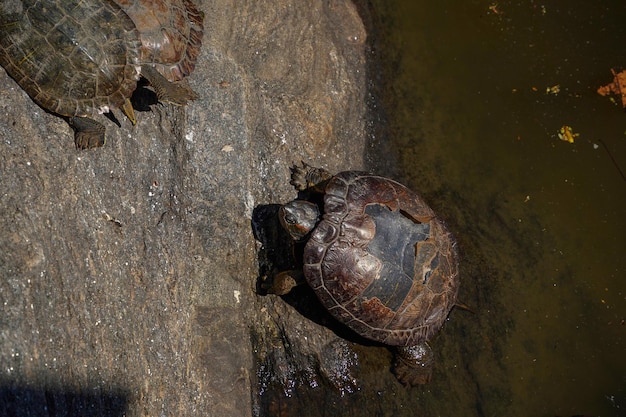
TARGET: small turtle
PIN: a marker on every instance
(378, 259)
(79, 58)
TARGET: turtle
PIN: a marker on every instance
(80, 58)
(378, 259)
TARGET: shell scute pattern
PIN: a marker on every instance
(338, 264)
(170, 33)
(71, 64)
(325, 233)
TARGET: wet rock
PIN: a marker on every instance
(128, 273)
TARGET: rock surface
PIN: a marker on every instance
(128, 273)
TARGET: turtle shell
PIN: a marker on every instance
(170, 32)
(72, 57)
(381, 261)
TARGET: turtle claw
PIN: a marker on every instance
(127, 109)
(87, 132)
(166, 91)
(306, 176)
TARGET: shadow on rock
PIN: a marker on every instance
(29, 401)
(280, 253)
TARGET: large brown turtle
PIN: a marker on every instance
(378, 258)
(79, 58)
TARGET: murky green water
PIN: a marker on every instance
(541, 221)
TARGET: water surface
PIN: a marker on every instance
(541, 221)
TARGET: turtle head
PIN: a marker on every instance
(299, 217)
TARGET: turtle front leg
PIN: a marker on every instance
(283, 282)
(87, 132)
(166, 91)
(307, 177)
(413, 365)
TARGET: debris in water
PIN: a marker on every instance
(618, 86)
(493, 8)
(555, 89)
(567, 134)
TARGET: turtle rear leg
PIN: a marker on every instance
(413, 365)
(166, 91)
(87, 132)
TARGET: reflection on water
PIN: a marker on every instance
(475, 115)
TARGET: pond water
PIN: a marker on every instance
(476, 94)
